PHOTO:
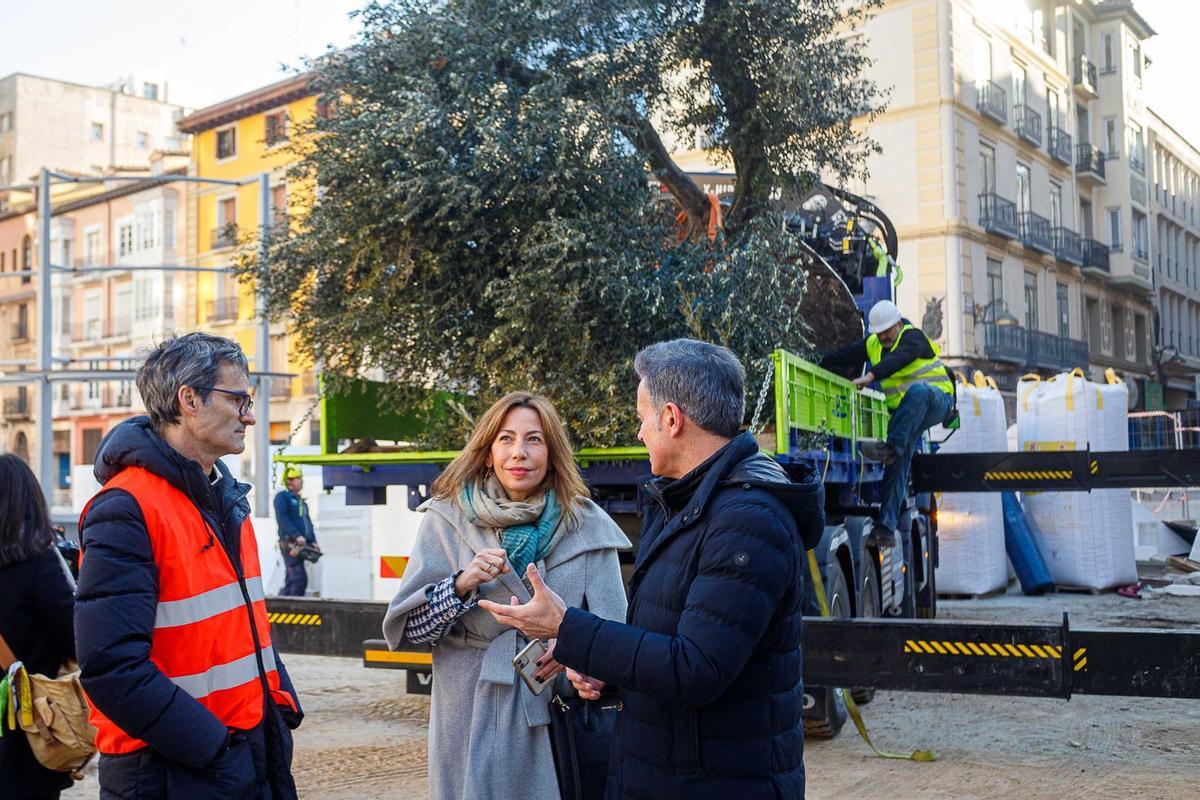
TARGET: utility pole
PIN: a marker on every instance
(45, 421)
(262, 472)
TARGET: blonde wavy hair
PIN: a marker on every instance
(562, 472)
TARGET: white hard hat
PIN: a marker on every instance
(884, 315)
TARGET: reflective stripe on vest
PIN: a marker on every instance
(173, 613)
(225, 676)
(203, 639)
(920, 370)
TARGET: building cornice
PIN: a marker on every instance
(248, 104)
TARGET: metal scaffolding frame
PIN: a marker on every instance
(45, 375)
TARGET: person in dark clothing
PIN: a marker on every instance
(917, 388)
(188, 695)
(708, 663)
(295, 530)
(37, 597)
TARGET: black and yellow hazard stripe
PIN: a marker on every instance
(1030, 475)
(277, 618)
(993, 650)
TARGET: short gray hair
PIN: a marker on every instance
(193, 359)
(705, 380)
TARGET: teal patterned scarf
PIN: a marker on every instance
(528, 529)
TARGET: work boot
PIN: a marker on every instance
(878, 451)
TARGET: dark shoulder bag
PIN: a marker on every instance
(581, 737)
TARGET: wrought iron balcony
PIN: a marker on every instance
(1035, 232)
(1137, 164)
(1085, 75)
(998, 215)
(17, 408)
(1059, 353)
(1005, 343)
(1089, 162)
(1060, 145)
(224, 236)
(1067, 246)
(1141, 251)
(1095, 255)
(991, 101)
(1028, 124)
(224, 309)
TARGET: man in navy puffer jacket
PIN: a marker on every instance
(709, 662)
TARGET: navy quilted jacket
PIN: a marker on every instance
(709, 662)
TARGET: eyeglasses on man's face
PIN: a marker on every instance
(245, 399)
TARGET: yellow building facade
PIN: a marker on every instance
(240, 140)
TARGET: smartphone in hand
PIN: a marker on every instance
(526, 665)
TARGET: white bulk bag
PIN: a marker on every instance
(971, 554)
(1085, 537)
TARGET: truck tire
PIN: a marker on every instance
(826, 718)
(870, 605)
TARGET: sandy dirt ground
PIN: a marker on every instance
(365, 738)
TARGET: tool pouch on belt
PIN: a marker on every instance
(52, 713)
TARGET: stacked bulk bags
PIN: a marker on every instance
(1085, 537)
(971, 554)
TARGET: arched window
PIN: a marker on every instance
(21, 446)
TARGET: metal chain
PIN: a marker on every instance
(762, 397)
(288, 442)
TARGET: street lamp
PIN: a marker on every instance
(1000, 315)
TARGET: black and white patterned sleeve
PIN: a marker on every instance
(430, 622)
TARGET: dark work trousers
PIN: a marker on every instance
(296, 581)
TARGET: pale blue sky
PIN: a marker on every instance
(213, 50)
(206, 51)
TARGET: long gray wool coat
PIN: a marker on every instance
(488, 734)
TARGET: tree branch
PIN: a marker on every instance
(639, 130)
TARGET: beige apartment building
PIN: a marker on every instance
(82, 129)
(1015, 167)
(102, 318)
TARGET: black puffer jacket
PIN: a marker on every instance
(36, 600)
(114, 623)
(709, 665)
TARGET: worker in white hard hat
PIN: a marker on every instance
(919, 392)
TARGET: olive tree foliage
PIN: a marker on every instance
(495, 200)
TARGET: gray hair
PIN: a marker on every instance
(193, 359)
(705, 380)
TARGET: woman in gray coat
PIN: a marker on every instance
(513, 498)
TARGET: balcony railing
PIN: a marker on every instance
(1004, 343)
(16, 408)
(224, 309)
(991, 101)
(1050, 351)
(1035, 232)
(20, 332)
(1089, 162)
(118, 326)
(224, 236)
(1033, 349)
(1028, 124)
(1095, 255)
(1067, 245)
(998, 215)
(1137, 164)
(281, 387)
(1060, 145)
(1141, 252)
(1085, 74)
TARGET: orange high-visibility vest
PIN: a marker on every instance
(204, 639)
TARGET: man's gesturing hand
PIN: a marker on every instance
(537, 619)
